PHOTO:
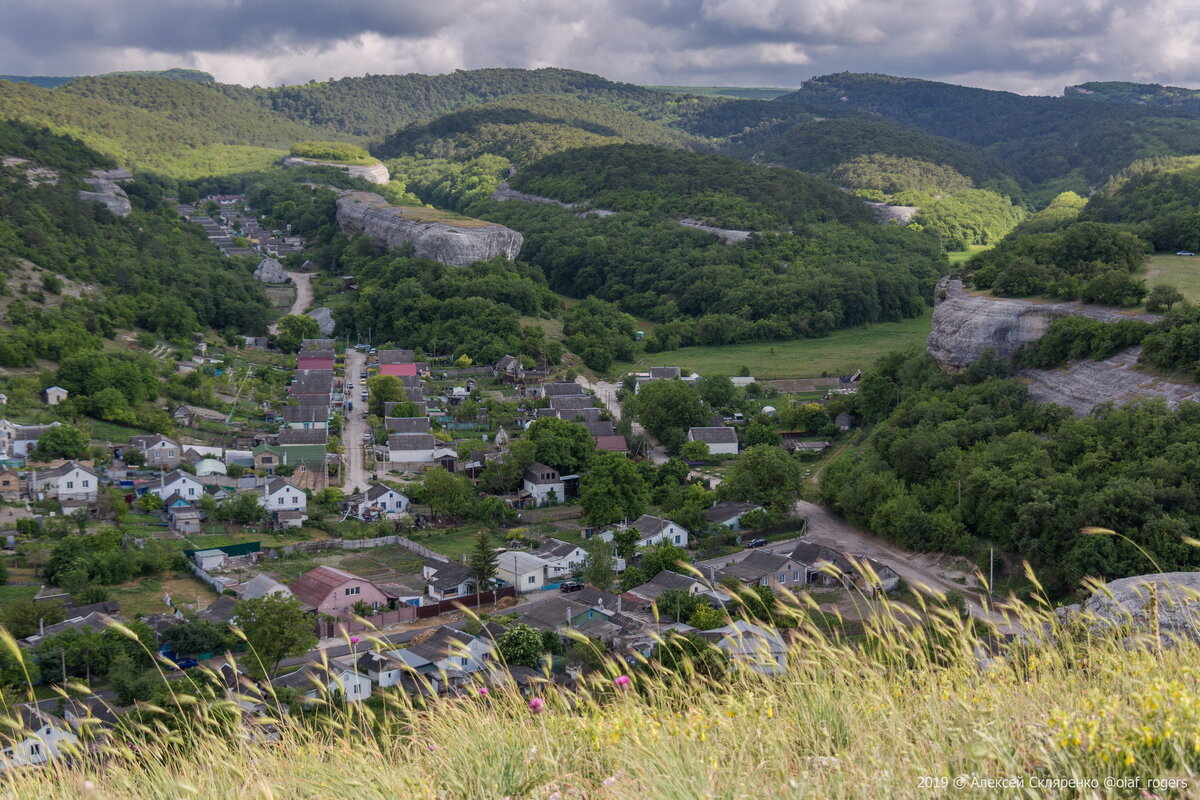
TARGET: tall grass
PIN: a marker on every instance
(924, 698)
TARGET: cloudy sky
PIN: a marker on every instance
(1028, 46)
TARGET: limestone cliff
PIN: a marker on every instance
(1125, 604)
(964, 325)
(107, 190)
(1083, 385)
(270, 270)
(454, 240)
(325, 321)
(375, 173)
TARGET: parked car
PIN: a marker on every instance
(362, 375)
(756, 543)
(570, 586)
(350, 385)
(187, 663)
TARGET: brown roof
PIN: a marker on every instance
(713, 435)
(613, 444)
(316, 584)
(396, 356)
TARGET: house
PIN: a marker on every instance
(450, 649)
(71, 481)
(407, 424)
(764, 568)
(600, 428)
(180, 483)
(524, 571)
(384, 669)
(827, 567)
(10, 485)
(315, 359)
(306, 417)
(185, 520)
(303, 447)
(208, 466)
(54, 395)
(613, 444)
(509, 369)
(653, 531)
(18, 440)
(720, 441)
(263, 585)
(665, 373)
(40, 738)
(324, 680)
(729, 514)
(219, 611)
(446, 580)
(335, 592)
(158, 450)
(543, 484)
(376, 502)
(566, 389)
(267, 457)
(569, 403)
(751, 646)
(281, 495)
(398, 370)
(411, 448)
(564, 558)
(399, 356)
(644, 596)
(209, 560)
(844, 421)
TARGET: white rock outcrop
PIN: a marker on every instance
(1126, 604)
(458, 243)
(270, 271)
(106, 190)
(325, 320)
(375, 173)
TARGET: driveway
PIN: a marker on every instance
(354, 475)
(304, 296)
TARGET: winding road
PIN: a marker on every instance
(304, 296)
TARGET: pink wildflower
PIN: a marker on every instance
(536, 704)
(483, 690)
(621, 681)
(355, 640)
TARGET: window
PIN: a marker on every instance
(170, 454)
(676, 540)
(86, 484)
(70, 484)
(783, 577)
(532, 579)
(191, 491)
(280, 501)
(268, 460)
(35, 749)
(354, 590)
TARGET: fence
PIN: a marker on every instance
(462, 372)
(327, 628)
(551, 513)
(353, 544)
(204, 577)
(469, 600)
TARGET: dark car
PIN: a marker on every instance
(187, 663)
(756, 543)
(570, 586)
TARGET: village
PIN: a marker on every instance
(447, 512)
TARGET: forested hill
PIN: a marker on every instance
(720, 190)
(1145, 94)
(1038, 138)
(176, 74)
(378, 105)
(526, 128)
(146, 270)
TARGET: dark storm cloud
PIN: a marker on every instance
(1023, 45)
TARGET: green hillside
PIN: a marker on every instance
(1158, 199)
(718, 189)
(51, 82)
(526, 128)
(1039, 138)
(1146, 94)
(736, 92)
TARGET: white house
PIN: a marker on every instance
(449, 649)
(751, 646)
(54, 395)
(16, 440)
(564, 558)
(377, 501)
(653, 531)
(319, 680)
(71, 481)
(446, 580)
(181, 483)
(281, 495)
(41, 739)
(411, 448)
(158, 450)
(543, 484)
(525, 571)
(384, 669)
(720, 441)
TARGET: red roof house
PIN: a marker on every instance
(399, 370)
(333, 591)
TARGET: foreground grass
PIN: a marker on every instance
(905, 714)
(1182, 272)
(840, 353)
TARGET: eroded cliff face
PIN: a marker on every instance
(375, 173)
(965, 325)
(1082, 385)
(107, 190)
(441, 237)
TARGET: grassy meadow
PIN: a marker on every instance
(1182, 272)
(839, 353)
(915, 713)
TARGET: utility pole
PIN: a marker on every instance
(991, 569)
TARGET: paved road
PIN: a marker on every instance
(605, 392)
(354, 475)
(304, 295)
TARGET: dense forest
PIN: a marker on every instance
(957, 463)
(717, 189)
(1145, 94)
(1158, 199)
(1072, 144)
(147, 270)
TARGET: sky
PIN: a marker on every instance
(1026, 46)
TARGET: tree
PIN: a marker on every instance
(598, 568)
(23, 617)
(61, 441)
(625, 542)
(1162, 298)
(717, 390)
(521, 646)
(196, 636)
(667, 409)
(631, 578)
(446, 493)
(275, 628)
(389, 389)
(293, 329)
(757, 434)
(765, 476)
(612, 490)
(133, 457)
(242, 508)
(150, 502)
(208, 506)
(662, 556)
(482, 563)
(705, 617)
(565, 446)
(677, 604)
(694, 451)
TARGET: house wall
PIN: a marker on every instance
(411, 456)
(343, 598)
(724, 449)
(541, 491)
(188, 488)
(285, 499)
(163, 456)
(672, 534)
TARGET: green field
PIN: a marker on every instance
(1182, 272)
(838, 354)
(960, 256)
